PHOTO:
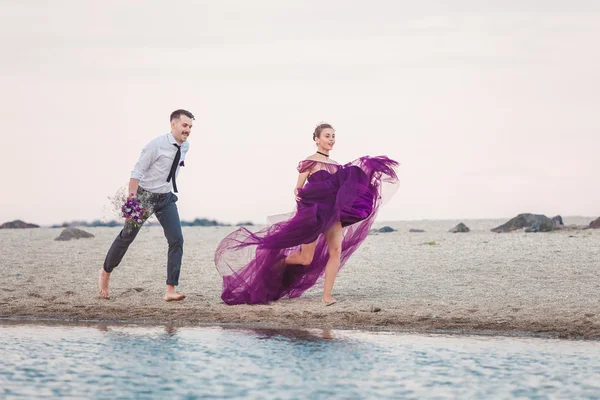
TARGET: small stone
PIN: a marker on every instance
(73, 233)
(460, 228)
(375, 309)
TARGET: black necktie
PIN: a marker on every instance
(174, 167)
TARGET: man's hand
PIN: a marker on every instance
(133, 187)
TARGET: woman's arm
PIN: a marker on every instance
(301, 181)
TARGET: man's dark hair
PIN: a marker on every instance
(178, 113)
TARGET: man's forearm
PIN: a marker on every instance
(133, 185)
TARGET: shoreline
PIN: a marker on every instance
(37, 321)
(566, 327)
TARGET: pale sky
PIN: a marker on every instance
(491, 109)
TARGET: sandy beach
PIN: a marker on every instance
(515, 283)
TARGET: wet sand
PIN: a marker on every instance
(516, 283)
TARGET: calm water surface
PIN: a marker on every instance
(118, 361)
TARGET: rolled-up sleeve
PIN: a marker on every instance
(148, 156)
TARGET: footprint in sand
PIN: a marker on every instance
(33, 294)
(131, 291)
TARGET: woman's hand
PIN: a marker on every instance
(296, 194)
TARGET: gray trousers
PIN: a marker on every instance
(166, 211)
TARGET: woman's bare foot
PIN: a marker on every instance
(170, 294)
(328, 300)
(103, 283)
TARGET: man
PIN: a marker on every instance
(153, 181)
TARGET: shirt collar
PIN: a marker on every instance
(172, 138)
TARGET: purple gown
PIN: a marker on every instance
(252, 263)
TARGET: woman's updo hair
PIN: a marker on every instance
(319, 128)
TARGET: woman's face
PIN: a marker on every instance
(326, 139)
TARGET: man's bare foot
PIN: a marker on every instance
(174, 296)
(103, 283)
(170, 294)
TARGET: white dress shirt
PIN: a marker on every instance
(154, 164)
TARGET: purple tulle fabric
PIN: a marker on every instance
(253, 263)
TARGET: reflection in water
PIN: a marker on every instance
(113, 360)
(170, 330)
(294, 335)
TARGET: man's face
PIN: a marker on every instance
(181, 128)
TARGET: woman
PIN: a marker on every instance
(336, 206)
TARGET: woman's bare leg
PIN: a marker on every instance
(333, 237)
(304, 256)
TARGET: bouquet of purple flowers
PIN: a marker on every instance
(134, 212)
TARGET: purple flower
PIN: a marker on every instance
(182, 164)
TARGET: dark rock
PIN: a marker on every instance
(386, 229)
(416, 230)
(529, 222)
(375, 309)
(73, 233)
(595, 224)
(460, 228)
(17, 224)
(248, 223)
(202, 222)
(94, 224)
(557, 222)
